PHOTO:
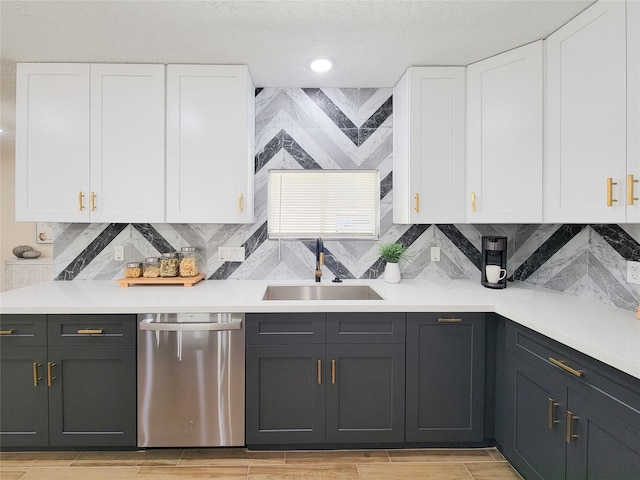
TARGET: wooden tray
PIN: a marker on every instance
(185, 281)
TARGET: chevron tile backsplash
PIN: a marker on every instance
(352, 128)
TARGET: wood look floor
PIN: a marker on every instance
(240, 464)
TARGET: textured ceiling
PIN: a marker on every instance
(371, 42)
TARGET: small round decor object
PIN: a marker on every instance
(20, 249)
(29, 254)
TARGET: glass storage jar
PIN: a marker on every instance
(151, 267)
(169, 264)
(188, 262)
(133, 270)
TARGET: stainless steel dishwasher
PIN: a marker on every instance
(190, 380)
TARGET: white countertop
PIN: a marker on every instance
(609, 334)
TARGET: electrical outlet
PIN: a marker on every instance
(633, 272)
(435, 254)
(118, 252)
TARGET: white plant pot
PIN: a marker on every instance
(392, 273)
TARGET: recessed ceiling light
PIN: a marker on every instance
(321, 65)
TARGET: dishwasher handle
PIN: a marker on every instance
(186, 326)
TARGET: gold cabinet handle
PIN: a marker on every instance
(333, 372)
(319, 372)
(50, 377)
(630, 182)
(6, 332)
(552, 404)
(240, 206)
(449, 320)
(473, 201)
(36, 378)
(610, 199)
(565, 367)
(569, 427)
(88, 331)
(92, 201)
(80, 205)
(417, 203)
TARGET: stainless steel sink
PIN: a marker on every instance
(320, 292)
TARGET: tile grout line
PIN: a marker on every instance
(470, 474)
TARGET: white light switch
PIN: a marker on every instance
(435, 254)
(231, 254)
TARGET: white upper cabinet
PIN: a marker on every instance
(633, 111)
(52, 142)
(586, 157)
(504, 137)
(127, 143)
(210, 144)
(90, 143)
(429, 145)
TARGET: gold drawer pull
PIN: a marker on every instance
(630, 195)
(88, 331)
(36, 378)
(449, 320)
(80, 197)
(333, 372)
(565, 367)
(240, 206)
(50, 377)
(610, 199)
(6, 332)
(570, 419)
(417, 203)
(319, 372)
(92, 201)
(550, 414)
(473, 201)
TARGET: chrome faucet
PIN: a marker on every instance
(319, 258)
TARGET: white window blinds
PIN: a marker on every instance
(338, 204)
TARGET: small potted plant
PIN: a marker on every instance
(392, 253)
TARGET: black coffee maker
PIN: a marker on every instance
(494, 255)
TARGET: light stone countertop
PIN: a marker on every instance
(608, 334)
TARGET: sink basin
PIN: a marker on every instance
(320, 292)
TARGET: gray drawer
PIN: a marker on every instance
(23, 330)
(365, 327)
(85, 330)
(285, 328)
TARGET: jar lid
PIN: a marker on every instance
(133, 265)
(170, 254)
(152, 260)
(189, 249)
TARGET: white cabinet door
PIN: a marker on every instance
(428, 146)
(52, 142)
(633, 111)
(127, 143)
(210, 130)
(504, 137)
(586, 117)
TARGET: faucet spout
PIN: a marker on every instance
(319, 258)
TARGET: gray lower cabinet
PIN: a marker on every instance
(68, 381)
(325, 378)
(568, 416)
(445, 377)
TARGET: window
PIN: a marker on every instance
(333, 204)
